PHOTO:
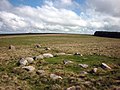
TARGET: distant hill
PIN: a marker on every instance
(107, 34)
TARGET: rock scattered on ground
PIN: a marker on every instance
(95, 70)
(47, 48)
(38, 57)
(40, 71)
(83, 65)
(67, 62)
(29, 59)
(77, 53)
(12, 47)
(105, 66)
(29, 68)
(38, 46)
(23, 61)
(54, 76)
(74, 88)
(47, 55)
(59, 54)
(83, 72)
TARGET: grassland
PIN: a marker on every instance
(95, 50)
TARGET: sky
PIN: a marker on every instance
(59, 16)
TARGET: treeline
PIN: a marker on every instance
(107, 34)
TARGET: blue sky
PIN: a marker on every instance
(59, 16)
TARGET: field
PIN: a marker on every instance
(94, 50)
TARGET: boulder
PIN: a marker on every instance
(95, 70)
(54, 76)
(29, 59)
(40, 71)
(12, 47)
(23, 61)
(74, 88)
(59, 54)
(77, 53)
(83, 65)
(47, 55)
(29, 68)
(37, 45)
(38, 57)
(105, 66)
(67, 62)
(47, 48)
(83, 72)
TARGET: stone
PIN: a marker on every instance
(59, 54)
(56, 87)
(47, 48)
(83, 72)
(95, 70)
(29, 68)
(77, 53)
(37, 45)
(22, 61)
(47, 55)
(12, 47)
(40, 71)
(29, 59)
(105, 66)
(67, 62)
(83, 65)
(54, 76)
(38, 57)
(71, 88)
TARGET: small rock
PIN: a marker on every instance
(105, 66)
(22, 61)
(56, 87)
(40, 71)
(37, 45)
(67, 62)
(47, 55)
(71, 88)
(38, 57)
(95, 70)
(77, 53)
(29, 68)
(83, 65)
(54, 76)
(29, 59)
(83, 72)
(59, 54)
(12, 47)
(47, 48)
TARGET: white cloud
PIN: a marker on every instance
(59, 16)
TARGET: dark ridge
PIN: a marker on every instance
(107, 34)
(12, 34)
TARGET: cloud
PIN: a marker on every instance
(59, 16)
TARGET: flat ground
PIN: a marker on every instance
(95, 50)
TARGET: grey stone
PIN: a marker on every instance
(67, 62)
(29, 59)
(47, 55)
(29, 68)
(59, 54)
(47, 48)
(22, 61)
(83, 65)
(105, 66)
(38, 57)
(71, 88)
(37, 45)
(77, 53)
(40, 71)
(95, 70)
(83, 72)
(12, 47)
(54, 76)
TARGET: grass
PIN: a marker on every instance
(95, 50)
